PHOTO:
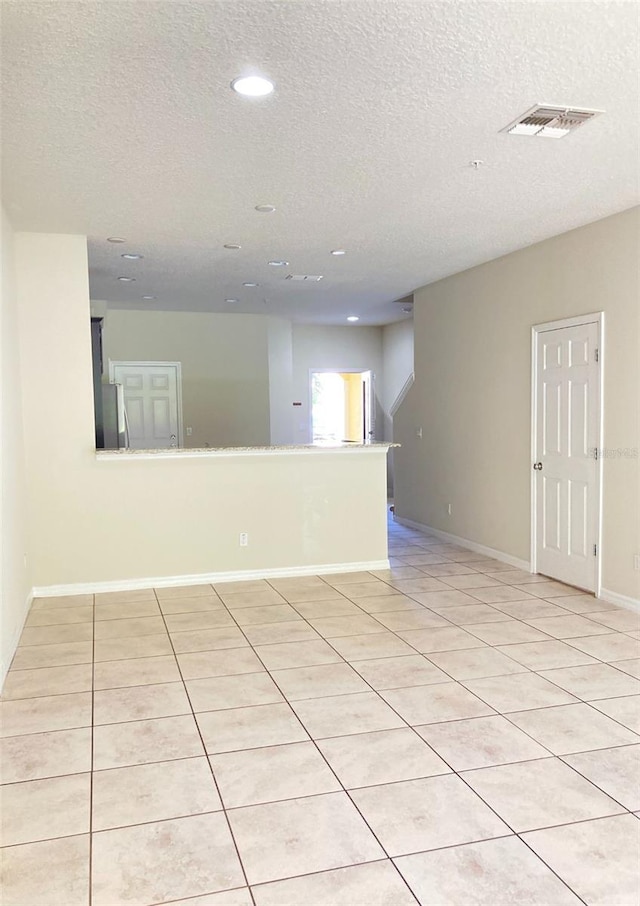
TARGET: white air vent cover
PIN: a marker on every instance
(308, 278)
(546, 121)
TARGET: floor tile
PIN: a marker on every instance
(373, 884)
(442, 570)
(417, 815)
(316, 610)
(339, 714)
(112, 706)
(335, 627)
(620, 620)
(55, 872)
(625, 710)
(294, 583)
(145, 741)
(400, 672)
(494, 594)
(480, 742)
(238, 897)
(162, 861)
(431, 704)
(124, 597)
(388, 604)
(631, 666)
(203, 619)
(513, 576)
(275, 613)
(122, 649)
(45, 755)
(318, 682)
(183, 591)
(47, 635)
(207, 639)
(299, 594)
(287, 631)
(297, 654)
(47, 681)
(472, 580)
(470, 614)
(475, 662)
(615, 771)
(518, 692)
(63, 802)
(446, 639)
(386, 756)
(271, 774)
(354, 578)
(579, 853)
(132, 610)
(250, 728)
(569, 627)
(419, 586)
(593, 681)
(535, 794)
(60, 615)
(491, 873)
(128, 629)
(398, 572)
(136, 672)
(39, 715)
(61, 601)
(191, 605)
(56, 655)
(216, 693)
(329, 833)
(364, 647)
(241, 586)
(533, 609)
(153, 792)
(509, 632)
(582, 604)
(546, 655)
(614, 647)
(448, 598)
(572, 728)
(224, 662)
(551, 589)
(411, 619)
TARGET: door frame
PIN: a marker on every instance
(372, 394)
(596, 318)
(113, 364)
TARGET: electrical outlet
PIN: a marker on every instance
(449, 508)
(244, 539)
(189, 432)
(418, 432)
(636, 561)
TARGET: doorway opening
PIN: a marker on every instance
(342, 407)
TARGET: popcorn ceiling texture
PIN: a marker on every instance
(118, 120)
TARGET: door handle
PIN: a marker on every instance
(537, 466)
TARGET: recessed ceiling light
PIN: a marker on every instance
(230, 300)
(232, 245)
(148, 298)
(353, 318)
(252, 86)
(131, 257)
(265, 208)
(127, 279)
(250, 284)
(338, 252)
(115, 239)
(279, 263)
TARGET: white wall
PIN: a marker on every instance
(95, 521)
(280, 338)
(225, 368)
(397, 359)
(15, 577)
(338, 349)
(472, 392)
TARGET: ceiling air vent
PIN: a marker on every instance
(308, 278)
(546, 121)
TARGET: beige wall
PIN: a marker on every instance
(473, 390)
(98, 521)
(280, 336)
(397, 365)
(337, 349)
(15, 575)
(225, 368)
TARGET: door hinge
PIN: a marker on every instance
(597, 356)
(595, 550)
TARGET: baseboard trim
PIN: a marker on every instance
(612, 597)
(472, 545)
(4, 667)
(84, 588)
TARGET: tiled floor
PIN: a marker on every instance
(449, 731)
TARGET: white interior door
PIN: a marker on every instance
(151, 399)
(566, 438)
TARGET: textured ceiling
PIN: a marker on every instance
(118, 120)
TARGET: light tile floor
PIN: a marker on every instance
(449, 731)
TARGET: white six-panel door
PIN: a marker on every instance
(151, 394)
(566, 438)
